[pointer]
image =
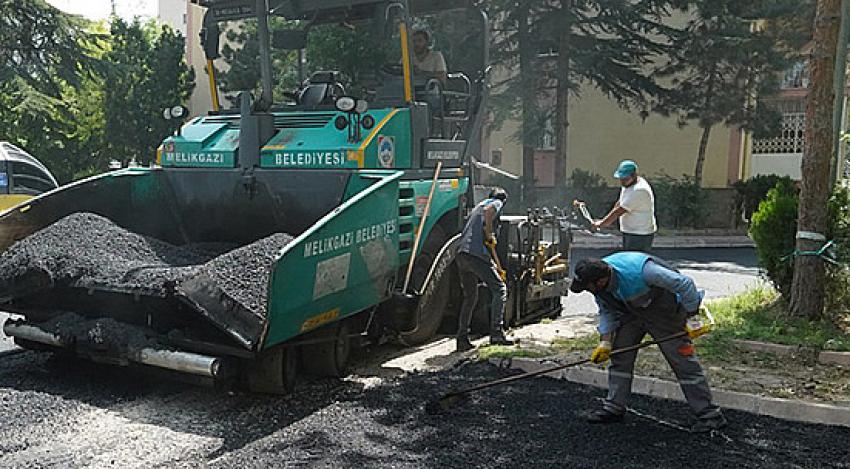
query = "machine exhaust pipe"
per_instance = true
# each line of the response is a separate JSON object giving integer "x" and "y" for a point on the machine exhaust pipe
{"x": 184, "y": 362}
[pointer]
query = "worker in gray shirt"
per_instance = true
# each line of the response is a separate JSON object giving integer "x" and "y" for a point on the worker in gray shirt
{"x": 639, "y": 294}
{"x": 475, "y": 265}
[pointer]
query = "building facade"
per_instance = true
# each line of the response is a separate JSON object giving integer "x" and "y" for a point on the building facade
{"x": 187, "y": 18}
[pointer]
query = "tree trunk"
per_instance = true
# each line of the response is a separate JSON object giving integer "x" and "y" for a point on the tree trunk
{"x": 529, "y": 105}
{"x": 562, "y": 122}
{"x": 703, "y": 147}
{"x": 807, "y": 287}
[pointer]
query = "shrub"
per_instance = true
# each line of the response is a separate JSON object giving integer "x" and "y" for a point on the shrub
{"x": 773, "y": 227}
{"x": 751, "y": 192}
{"x": 838, "y": 276}
{"x": 678, "y": 202}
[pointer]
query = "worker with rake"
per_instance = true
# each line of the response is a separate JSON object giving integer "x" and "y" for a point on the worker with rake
{"x": 638, "y": 294}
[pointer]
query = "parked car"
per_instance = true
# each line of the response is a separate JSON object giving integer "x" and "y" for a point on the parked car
{"x": 22, "y": 177}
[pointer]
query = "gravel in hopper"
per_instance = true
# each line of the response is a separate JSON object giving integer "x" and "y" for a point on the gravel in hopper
{"x": 85, "y": 250}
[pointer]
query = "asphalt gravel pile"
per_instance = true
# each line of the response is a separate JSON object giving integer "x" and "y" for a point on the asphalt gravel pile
{"x": 84, "y": 250}
{"x": 243, "y": 273}
{"x": 101, "y": 333}
{"x": 90, "y": 251}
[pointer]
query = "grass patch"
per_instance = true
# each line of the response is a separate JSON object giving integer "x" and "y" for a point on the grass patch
{"x": 501, "y": 351}
{"x": 564, "y": 345}
{"x": 760, "y": 315}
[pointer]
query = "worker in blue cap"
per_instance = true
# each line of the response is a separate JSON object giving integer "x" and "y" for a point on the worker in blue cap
{"x": 635, "y": 209}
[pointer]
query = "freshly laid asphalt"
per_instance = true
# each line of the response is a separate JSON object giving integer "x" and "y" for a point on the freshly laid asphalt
{"x": 59, "y": 413}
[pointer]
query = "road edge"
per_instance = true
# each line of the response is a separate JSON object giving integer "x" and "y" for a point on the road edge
{"x": 786, "y": 409}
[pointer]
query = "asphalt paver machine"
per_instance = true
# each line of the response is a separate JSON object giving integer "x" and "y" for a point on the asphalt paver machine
{"x": 271, "y": 236}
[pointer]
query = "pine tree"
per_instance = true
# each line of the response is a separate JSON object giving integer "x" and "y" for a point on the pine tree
{"x": 607, "y": 45}
{"x": 722, "y": 65}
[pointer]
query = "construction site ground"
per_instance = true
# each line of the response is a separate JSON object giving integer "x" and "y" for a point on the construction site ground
{"x": 58, "y": 412}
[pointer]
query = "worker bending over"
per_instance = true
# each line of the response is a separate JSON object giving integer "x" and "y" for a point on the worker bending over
{"x": 474, "y": 264}
{"x": 638, "y": 294}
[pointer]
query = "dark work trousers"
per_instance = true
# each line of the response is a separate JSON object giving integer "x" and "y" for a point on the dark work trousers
{"x": 661, "y": 318}
{"x": 472, "y": 270}
{"x": 636, "y": 242}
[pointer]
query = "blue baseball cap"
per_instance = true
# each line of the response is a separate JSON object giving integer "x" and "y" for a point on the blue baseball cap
{"x": 626, "y": 169}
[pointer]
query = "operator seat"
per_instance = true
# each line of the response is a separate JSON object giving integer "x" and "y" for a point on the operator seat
{"x": 321, "y": 88}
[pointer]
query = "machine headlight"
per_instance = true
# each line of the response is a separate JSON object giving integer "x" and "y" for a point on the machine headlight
{"x": 367, "y": 122}
{"x": 176, "y": 112}
{"x": 179, "y": 112}
{"x": 346, "y": 104}
{"x": 340, "y": 122}
{"x": 361, "y": 107}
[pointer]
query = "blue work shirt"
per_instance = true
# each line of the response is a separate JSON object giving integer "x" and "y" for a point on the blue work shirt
{"x": 655, "y": 275}
{"x": 472, "y": 238}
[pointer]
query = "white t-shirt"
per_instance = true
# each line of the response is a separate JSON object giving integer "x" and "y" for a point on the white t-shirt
{"x": 639, "y": 202}
{"x": 433, "y": 62}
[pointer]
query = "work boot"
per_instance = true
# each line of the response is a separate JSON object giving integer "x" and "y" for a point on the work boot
{"x": 498, "y": 338}
{"x": 463, "y": 345}
{"x": 709, "y": 425}
{"x": 603, "y": 416}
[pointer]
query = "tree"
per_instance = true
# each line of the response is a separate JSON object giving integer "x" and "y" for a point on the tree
{"x": 147, "y": 74}
{"x": 46, "y": 56}
{"x": 807, "y": 286}
{"x": 721, "y": 66}
{"x": 608, "y": 45}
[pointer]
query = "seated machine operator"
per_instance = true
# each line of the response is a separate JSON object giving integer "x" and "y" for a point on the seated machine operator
{"x": 426, "y": 62}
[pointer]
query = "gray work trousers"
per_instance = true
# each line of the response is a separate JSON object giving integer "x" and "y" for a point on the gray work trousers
{"x": 636, "y": 242}
{"x": 472, "y": 270}
{"x": 660, "y": 319}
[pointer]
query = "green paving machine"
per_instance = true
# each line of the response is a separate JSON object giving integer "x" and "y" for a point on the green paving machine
{"x": 371, "y": 178}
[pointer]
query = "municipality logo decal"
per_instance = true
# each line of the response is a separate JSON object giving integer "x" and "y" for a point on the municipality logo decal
{"x": 386, "y": 151}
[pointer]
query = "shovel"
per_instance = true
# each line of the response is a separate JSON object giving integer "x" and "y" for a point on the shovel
{"x": 449, "y": 400}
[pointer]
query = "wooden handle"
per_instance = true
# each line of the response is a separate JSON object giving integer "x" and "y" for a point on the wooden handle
{"x": 421, "y": 227}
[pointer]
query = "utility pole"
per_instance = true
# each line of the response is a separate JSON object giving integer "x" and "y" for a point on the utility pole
{"x": 807, "y": 287}
{"x": 837, "y": 166}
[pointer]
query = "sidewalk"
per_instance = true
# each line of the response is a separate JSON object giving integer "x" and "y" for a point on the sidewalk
{"x": 686, "y": 240}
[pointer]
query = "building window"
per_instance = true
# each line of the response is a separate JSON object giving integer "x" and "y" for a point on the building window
{"x": 796, "y": 77}
{"x": 546, "y": 140}
{"x": 791, "y": 138}
{"x": 496, "y": 157}
{"x": 184, "y": 18}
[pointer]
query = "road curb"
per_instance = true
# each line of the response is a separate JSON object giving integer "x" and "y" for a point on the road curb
{"x": 669, "y": 242}
{"x": 776, "y": 349}
{"x": 786, "y": 409}
{"x": 834, "y": 358}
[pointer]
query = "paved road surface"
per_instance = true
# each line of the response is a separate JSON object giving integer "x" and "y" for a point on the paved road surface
{"x": 67, "y": 414}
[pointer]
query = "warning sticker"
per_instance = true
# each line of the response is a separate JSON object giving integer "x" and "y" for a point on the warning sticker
{"x": 331, "y": 275}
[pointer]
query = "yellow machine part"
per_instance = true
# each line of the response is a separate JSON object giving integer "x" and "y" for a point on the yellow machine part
{"x": 8, "y": 201}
